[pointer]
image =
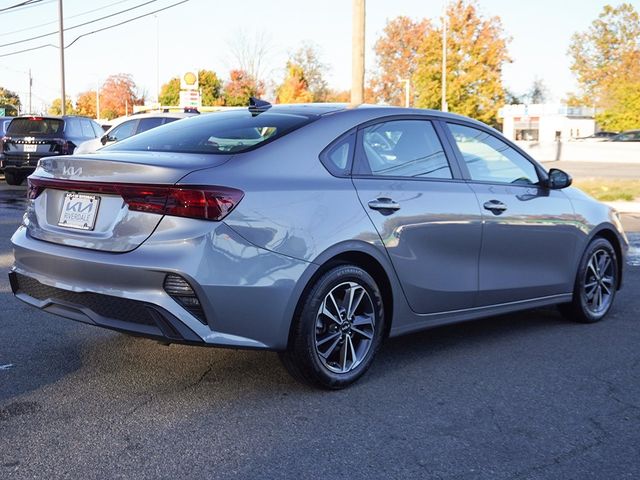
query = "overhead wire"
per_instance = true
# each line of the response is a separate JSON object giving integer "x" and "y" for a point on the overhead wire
{"x": 95, "y": 31}
{"x": 78, "y": 25}
{"x": 33, "y": 27}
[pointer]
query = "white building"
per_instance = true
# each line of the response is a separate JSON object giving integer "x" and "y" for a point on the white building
{"x": 546, "y": 122}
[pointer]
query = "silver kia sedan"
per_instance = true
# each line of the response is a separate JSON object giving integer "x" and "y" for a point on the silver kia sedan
{"x": 312, "y": 230}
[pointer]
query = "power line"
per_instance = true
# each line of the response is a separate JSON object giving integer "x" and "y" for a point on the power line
{"x": 23, "y": 5}
{"x": 79, "y": 25}
{"x": 95, "y": 31}
{"x": 33, "y": 27}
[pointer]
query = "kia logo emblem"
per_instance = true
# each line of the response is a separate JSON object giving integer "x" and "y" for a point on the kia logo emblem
{"x": 72, "y": 170}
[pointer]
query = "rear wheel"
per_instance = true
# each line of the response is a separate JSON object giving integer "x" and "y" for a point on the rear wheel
{"x": 338, "y": 330}
{"x": 13, "y": 178}
{"x": 595, "y": 285}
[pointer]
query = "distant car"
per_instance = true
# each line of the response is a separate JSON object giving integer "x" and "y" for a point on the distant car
{"x": 30, "y": 138}
{"x": 126, "y": 127}
{"x": 628, "y": 136}
{"x": 598, "y": 137}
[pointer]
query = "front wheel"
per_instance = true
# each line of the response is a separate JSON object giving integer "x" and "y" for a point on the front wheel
{"x": 595, "y": 284}
{"x": 338, "y": 329}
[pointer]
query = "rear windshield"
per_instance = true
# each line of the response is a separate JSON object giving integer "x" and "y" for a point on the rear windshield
{"x": 224, "y": 132}
{"x": 35, "y": 126}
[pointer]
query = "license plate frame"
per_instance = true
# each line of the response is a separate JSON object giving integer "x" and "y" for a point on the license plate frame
{"x": 79, "y": 211}
{"x": 30, "y": 148}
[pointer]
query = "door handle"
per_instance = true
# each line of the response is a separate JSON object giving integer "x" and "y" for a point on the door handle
{"x": 496, "y": 206}
{"x": 384, "y": 204}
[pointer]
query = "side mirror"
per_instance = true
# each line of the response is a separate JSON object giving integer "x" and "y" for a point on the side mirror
{"x": 104, "y": 139}
{"x": 558, "y": 179}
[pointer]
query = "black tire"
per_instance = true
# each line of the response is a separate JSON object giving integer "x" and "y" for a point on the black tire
{"x": 316, "y": 329}
{"x": 13, "y": 178}
{"x": 595, "y": 285}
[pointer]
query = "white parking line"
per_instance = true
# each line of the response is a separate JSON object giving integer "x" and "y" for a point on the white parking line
{"x": 7, "y": 366}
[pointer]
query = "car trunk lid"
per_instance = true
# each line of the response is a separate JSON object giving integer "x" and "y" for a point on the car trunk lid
{"x": 109, "y": 202}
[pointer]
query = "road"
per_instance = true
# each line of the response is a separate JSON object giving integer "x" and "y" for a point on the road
{"x": 523, "y": 396}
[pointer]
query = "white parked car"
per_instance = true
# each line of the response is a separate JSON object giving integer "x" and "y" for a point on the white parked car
{"x": 125, "y": 127}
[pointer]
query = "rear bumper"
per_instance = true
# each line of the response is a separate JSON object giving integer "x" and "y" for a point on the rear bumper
{"x": 248, "y": 293}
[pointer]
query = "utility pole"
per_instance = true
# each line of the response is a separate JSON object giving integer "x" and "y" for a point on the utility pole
{"x": 30, "y": 85}
{"x": 64, "y": 94}
{"x": 444, "y": 107}
{"x": 357, "y": 51}
{"x": 157, "y": 60}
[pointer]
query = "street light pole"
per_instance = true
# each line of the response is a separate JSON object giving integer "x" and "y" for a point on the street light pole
{"x": 357, "y": 52}
{"x": 444, "y": 107}
{"x": 407, "y": 89}
{"x": 64, "y": 95}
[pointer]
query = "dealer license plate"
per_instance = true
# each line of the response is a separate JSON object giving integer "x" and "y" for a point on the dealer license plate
{"x": 79, "y": 211}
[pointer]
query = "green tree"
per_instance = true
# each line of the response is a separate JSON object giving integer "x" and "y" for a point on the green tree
{"x": 308, "y": 59}
{"x": 239, "y": 88}
{"x": 294, "y": 88}
{"x": 56, "y": 107}
{"x": 7, "y": 97}
{"x": 606, "y": 62}
{"x": 606, "y": 54}
{"x": 170, "y": 92}
{"x": 476, "y": 53}
{"x": 397, "y": 52}
{"x": 538, "y": 93}
{"x": 210, "y": 88}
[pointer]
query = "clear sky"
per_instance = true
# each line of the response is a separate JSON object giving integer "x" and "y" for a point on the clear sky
{"x": 199, "y": 34}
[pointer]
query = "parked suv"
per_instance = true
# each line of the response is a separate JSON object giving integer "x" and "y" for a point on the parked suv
{"x": 29, "y": 138}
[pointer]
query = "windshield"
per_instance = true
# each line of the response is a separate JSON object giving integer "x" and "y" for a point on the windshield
{"x": 218, "y": 133}
{"x": 35, "y": 126}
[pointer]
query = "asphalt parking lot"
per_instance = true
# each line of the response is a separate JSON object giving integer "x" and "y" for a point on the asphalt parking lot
{"x": 523, "y": 396}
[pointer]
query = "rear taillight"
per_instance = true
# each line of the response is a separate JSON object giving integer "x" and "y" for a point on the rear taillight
{"x": 207, "y": 203}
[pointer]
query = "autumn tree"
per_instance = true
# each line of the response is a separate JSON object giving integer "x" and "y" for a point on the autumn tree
{"x": 308, "y": 59}
{"x": 7, "y": 97}
{"x": 251, "y": 53}
{"x": 86, "y": 104}
{"x": 239, "y": 88}
{"x": 210, "y": 88}
{"x": 606, "y": 63}
{"x": 295, "y": 87}
{"x": 338, "y": 96}
{"x": 397, "y": 52}
{"x": 56, "y": 107}
{"x": 118, "y": 95}
{"x": 170, "y": 92}
{"x": 476, "y": 52}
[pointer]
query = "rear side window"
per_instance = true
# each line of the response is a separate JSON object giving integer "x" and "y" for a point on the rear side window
{"x": 149, "y": 123}
{"x": 337, "y": 156}
{"x": 72, "y": 127}
{"x": 87, "y": 129}
{"x": 217, "y": 133}
{"x": 97, "y": 129}
{"x": 404, "y": 148}
{"x": 35, "y": 126}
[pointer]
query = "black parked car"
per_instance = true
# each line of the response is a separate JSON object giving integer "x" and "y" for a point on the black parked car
{"x": 30, "y": 138}
{"x": 628, "y": 136}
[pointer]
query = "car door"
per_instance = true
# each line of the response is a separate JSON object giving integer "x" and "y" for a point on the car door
{"x": 530, "y": 236}
{"x": 427, "y": 217}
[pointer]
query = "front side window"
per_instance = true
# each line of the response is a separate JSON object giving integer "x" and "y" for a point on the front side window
{"x": 404, "y": 148}
{"x": 122, "y": 131}
{"x": 489, "y": 159}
